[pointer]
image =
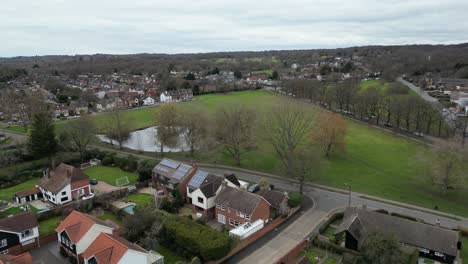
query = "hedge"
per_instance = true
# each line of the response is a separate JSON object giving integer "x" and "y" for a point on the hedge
{"x": 295, "y": 199}
{"x": 330, "y": 220}
{"x": 197, "y": 239}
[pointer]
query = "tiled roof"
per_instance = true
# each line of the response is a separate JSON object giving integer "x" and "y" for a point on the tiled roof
{"x": 27, "y": 192}
{"x": 24, "y": 258}
{"x": 237, "y": 199}
{"x": 109, "y": 249}
{"x": 60, "y": 177}
{"x": 275, "y": 198}
{"x": 77, "y": 224}
{"x": 19, "y": 222}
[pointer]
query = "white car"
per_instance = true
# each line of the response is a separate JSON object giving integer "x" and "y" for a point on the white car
{"x": 88, "y": 196}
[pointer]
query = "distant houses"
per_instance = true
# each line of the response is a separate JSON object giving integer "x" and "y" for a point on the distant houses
{"x": 181, "y": 95}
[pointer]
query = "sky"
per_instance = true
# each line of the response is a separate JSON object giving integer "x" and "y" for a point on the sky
{"x": 68, "y": 27}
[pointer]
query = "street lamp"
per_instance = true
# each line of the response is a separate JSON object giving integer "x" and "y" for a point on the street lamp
{"x": 349, "y": 194}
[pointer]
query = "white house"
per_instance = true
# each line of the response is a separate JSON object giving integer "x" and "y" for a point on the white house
{"x": 148, "y": 101}
{"x": 112, "y": 249}
{"x": 203, "y": 188}
{"x": 63, "y": 184}
{"x": 77, "y": 232}
{"x": 166, "y": 97}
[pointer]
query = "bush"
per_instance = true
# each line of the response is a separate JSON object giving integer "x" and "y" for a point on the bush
{"x": 295, "y": 199}
{"x": 108, "y": 160}
{"x": 194, "y": 238}
{"x": 145, "y": 169}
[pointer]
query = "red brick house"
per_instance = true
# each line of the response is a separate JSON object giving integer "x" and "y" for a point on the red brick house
{"x": 169, "y": 175}
{"x": 235, "y": 207}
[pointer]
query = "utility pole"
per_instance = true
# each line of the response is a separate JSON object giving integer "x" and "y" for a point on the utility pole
{"x": 349, "y": 194}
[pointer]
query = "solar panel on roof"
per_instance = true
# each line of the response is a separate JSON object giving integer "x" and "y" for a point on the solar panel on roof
{"x": 198, "y": 178}
{"x": 181, "y": 171}
{"x": 161, "y": 168}
{"x": 170, "y": 163}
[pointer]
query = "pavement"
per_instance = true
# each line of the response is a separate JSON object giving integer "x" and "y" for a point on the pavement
{"x": 48, "y": 254}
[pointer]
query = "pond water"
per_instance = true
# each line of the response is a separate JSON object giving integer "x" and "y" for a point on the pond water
{"x": 146, "y": 140}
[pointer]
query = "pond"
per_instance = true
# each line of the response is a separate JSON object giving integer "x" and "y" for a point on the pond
{"x": 146, "y": 140}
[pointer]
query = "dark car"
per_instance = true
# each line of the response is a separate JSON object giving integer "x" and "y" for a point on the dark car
{"x": 93, "y": 181}
{"x": 254, "y": 188}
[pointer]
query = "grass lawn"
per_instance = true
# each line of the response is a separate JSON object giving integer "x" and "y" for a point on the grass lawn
{"x": 17, "y": 210}
{"x": 169, "y": 256}
{"x": 141, "y": 199}
{"x": 48, "y": 226}
{"x": 313, "y": 255}
{"x": 269, "y": 72}
{"x": 329, "y": 233}
{"x": 109, "y": 174}
{"x": 7, "y": 193}
{"x": 375, "y": 83}
{"x": 330, "y": 260}
{"x": 464, "y": 250}
{"x": 110, "y": 216}
{"x": 376, "y": 162}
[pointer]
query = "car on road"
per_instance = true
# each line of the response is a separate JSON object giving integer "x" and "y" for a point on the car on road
{"x": 254, "y": 188}
{"x": 88, "y": 196}
{"x": 93, "y": 181}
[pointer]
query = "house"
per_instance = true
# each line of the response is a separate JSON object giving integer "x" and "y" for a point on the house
{"x": 181, "y": 95}
{"x": 169, "y": 175}
{"x": 235, "y": 207}
{"x": 19, "y": 233}
{"x": 64, "y": 183}
{"x": 149, "y": 101}
{"x": 24, "y": 258}
{"x": 433, "y": 242}
{"x": 61, "y": 110}
{"x": 278, "y": 200}
{"x": 203, "y": 188}
{"x": 28, "y": 195}
{"x": 78, "y": 231}
{"x": 112, "y": 249}
{"x": 78, "y": 107}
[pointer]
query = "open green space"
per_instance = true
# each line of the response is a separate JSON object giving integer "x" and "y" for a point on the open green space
{"x": 269, "y": 72}
{"x": 16, "y": 210}
{"x": 141, "y": 199}
{"x": 376, "y": 162}
{"x": 7, "y": 193}
{"x": 110, "y": 174}
{"x": 313, "y": 255}
{"x": 383, "y": 86}
{"x": 169, "y": 256}
{"x": 48, "y": 226}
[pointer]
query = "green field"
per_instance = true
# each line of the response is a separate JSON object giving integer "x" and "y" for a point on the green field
{"x": 376, "y": 162}
{"x": 269, "y": 72}
{"x": 48, "y": 226}
{"x": 141, "y": 199}
{"x": 110, "y": 216}
{"x": 375, "y": 83}
{"x": 110, "y": 174}
{"x": 7, "y": 193}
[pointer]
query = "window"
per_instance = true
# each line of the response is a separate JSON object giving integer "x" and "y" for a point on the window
{"x": 247, "y": 216}
{"x": 229, "y": 209}
{"x": 4, "y": 252}
{"x": 191, "y": 190}
{"x": 200, "y": 200}
{"x": 63, "y": 199}
{"x": 221, "y": 219}
{"x": 218, "y": 206}
{"x": 236, "y": 223}
{"x": 231, "y": 222}
{"x": 26, "y": 233}
{"x": 80, "y": 192}
{"x": 64, "y": 193}
{"x": 3, "y": 243}
{"x": 223, "y": 207}
{"x": 242, "y": 215}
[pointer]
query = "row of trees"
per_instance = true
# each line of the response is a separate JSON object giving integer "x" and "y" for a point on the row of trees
{"x": 392, "y": 105}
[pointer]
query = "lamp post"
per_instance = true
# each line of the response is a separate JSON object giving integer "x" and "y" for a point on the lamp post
{"x": 349, "y": 194}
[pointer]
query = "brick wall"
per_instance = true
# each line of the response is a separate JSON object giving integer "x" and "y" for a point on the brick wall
{"x": 262, "y": 211}
{"x": 292, "y": 256}
{"x": 45, "y": 239}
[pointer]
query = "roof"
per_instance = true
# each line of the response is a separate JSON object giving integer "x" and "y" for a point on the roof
{"x": 237, "y": 199}
{"x": 61, "y": 176}
{"x": 24, "y": 258}
{"x": 197, "y": 179}
{"x": 210, "y": 185}
{"x": 109, "y": 249}
{"x": 360, "y": 222}
{"x": 172, "y": 169}
{"x": 77, "y": 224}
{"x": 28, "y": 192}
{"x": 19, "y": 222}
{"x": 273, "y": 197}
{"x": 232, "y": 178}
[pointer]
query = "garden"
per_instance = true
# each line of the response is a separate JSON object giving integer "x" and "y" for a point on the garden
{"x": 110, "y": 175}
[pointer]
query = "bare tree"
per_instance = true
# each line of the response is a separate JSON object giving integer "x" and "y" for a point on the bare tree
{"x": 235, "y": 127}
{"x": 195, "y": 122}
{"x": 288, "y": 126}
{"x": 81, "y": 133}
{"x": 118, "y": 127}
{"x": 167, "y": 119}
{"x": 446, "y": 164}
{"x": 330, "y": 133}
{"x": 307, "y": 164}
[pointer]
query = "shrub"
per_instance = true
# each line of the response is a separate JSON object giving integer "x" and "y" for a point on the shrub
{"x": 295, "y": 199}
{"x": 108, "y": 160}
{"x": 145, "y": 169}
{"x": 194, "y": 238}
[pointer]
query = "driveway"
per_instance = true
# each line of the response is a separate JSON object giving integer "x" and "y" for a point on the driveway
{"x": 48, "y": 254}
{"x": 103, "y": 187}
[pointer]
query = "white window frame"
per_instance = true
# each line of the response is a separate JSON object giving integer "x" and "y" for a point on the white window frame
{"x": 23, "y": 233}
{"x": 221, "y": 219}
{"x": 4, "y": 252}
{"x": 3, "y": 242}
{"x": 247, "y": 216}
{"x": 231, "y": 222}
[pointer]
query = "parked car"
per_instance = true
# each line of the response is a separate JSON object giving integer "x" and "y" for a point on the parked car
{"x": 254, "y": 188}
{"x": 93, "y": 181}
{"x": 88, "y": 196}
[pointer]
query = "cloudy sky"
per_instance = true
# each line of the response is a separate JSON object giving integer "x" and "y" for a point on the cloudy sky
{"x": 40, "y": 27}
